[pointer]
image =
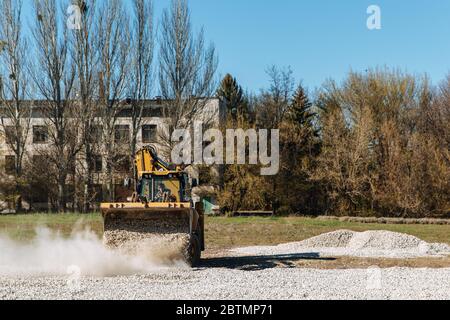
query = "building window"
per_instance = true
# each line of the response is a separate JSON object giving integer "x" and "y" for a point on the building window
{"x": 10, "y": 165}
{"x": 122, "y": 134}
{"x": 10, "y": 134}
{"x": 40, "y": 134}
{"x": 149, "y": 133}
{"x": 39, "y": 194}
{"x": 39, "y": 191}
{"x": 96, "y": 163}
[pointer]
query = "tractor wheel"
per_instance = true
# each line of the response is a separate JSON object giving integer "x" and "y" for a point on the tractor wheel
{"x": 194, "y": 251}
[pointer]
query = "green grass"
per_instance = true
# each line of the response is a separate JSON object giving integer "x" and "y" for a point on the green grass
{"x": 237, "y": 231}
{"x": 23, "y": 227}
{"x": 222, "y": 232}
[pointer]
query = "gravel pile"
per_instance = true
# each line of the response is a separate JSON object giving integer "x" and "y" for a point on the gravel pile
{"x": 336, "y": 239}
{"x": 162, "y": 248}
{"x": 161, "y": 240}
{"x": 360, "y": 244}
{"x": 226, "y": 284}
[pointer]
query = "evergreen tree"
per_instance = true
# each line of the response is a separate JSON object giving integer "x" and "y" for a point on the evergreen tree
{"x": 299, "y": 112}
{"x": 298, "y": 143}
{"x": 232, "y": 94}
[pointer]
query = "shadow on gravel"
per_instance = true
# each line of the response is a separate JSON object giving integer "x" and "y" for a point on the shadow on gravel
{"x": 255, "y": 263}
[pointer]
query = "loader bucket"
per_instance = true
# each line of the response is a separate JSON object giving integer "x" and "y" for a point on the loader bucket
{"x": 163, "y": 234}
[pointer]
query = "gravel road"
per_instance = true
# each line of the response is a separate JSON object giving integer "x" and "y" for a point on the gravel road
{"x": 82, "y": 268}
{"x": 221, "y": 283}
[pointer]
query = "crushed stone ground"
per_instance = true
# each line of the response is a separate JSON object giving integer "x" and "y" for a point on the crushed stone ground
{"x": 375, "y": 244}
{"x": 227, "y": 284}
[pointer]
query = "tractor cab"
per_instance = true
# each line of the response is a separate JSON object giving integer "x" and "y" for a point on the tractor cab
{"x": 162, "y": 188}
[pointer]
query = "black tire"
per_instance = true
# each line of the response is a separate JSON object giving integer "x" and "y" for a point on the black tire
{"x": 193, "y": 254}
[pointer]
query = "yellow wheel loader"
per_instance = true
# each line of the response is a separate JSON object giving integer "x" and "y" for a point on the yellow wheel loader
{"x": 160, "y": 216}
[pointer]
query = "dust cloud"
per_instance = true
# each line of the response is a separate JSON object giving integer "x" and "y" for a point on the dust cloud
{"x": 49, "y": 253}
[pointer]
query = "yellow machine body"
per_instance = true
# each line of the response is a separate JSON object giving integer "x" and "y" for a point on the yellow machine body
{"x": 160, "y": 204}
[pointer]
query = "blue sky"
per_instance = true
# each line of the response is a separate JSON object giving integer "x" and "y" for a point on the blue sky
{"x": 323, "y": 39}
{"x": 320, "y": 39}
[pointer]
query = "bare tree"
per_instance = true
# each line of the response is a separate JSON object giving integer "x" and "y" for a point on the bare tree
{"x": 113, "y": 45}
{"x": 271, "y": 108}
{"x": 186, "y": 70}
{"x": 13, "y": 91}
{"x": 141, "y": 77}
{"x": 345, "y": 162}
{"x": 85, "y": 58}
{"x": 384, "y": 145}
{"x": 54, "y": 76}
{"x": 438, "y": 118}
{"x": 273, "y": 103}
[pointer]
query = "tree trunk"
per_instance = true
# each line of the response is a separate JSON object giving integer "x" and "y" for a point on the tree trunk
{"x": 87, "y": 179}
{"x": 61, "y": 193}
{"x": 18, "y": 186}
{"x": 110, "y": 182}
{"x": 132, "y": 155}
